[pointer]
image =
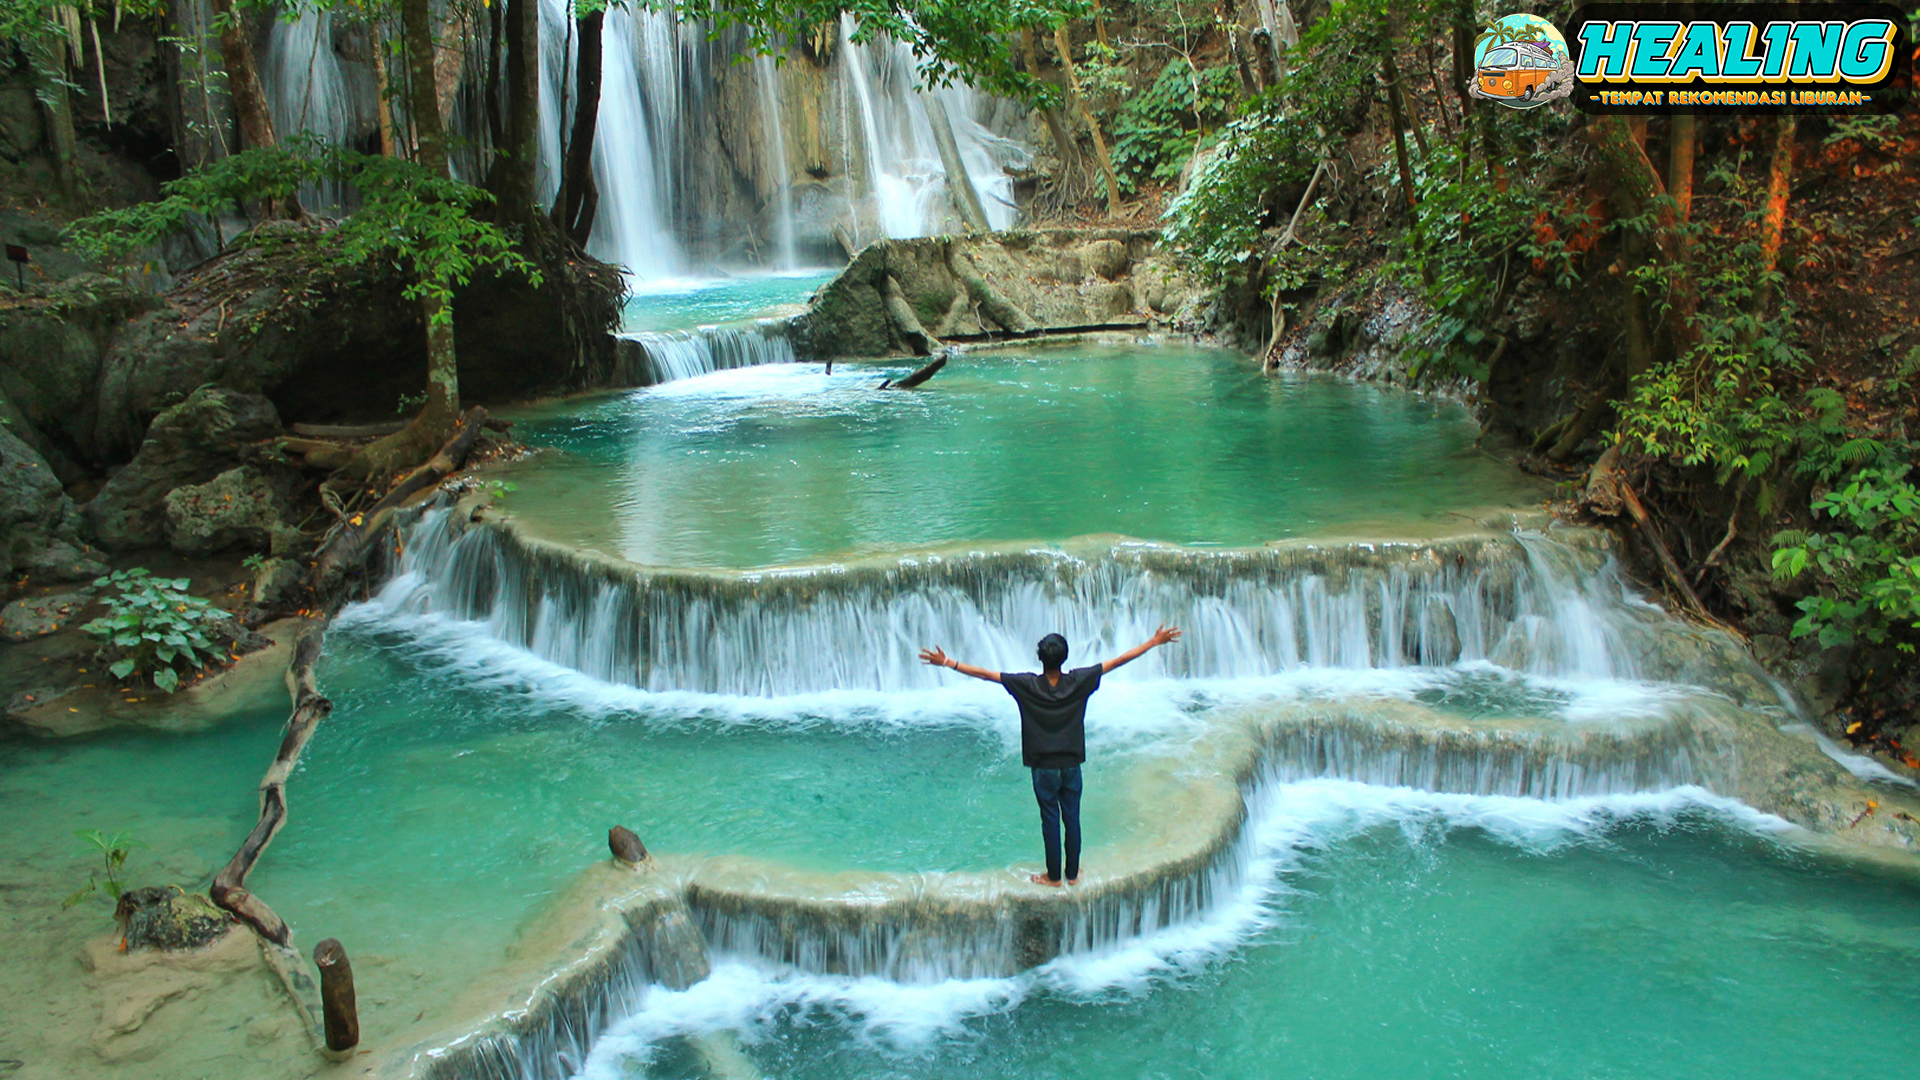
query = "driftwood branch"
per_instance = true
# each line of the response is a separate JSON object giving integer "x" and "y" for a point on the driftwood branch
{"x": 1668, "y": 567}
{"x": 918, "y": 377}
{"x": 1001, "y": 310}
{"x": 309, "y": 709}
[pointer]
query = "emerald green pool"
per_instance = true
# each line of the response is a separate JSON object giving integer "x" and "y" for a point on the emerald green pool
{"x": 686, "y": 305}
{"x": 1180, "y": 444}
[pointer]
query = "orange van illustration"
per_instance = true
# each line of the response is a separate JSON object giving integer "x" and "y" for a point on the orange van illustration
{"x": 1516, "y": 69}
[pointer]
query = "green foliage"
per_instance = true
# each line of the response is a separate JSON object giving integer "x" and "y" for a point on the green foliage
{"x": 113, "y": 849}
{"x": 1271, "y": 149}
{"x": 154, "y": 628}
{"x": 951, "y": 39}
{"x": 1153, "y": 133}
{"x": 419, "y": 222}
{"x": 1474, "y": 238}
{"x": 1870, "y": 567}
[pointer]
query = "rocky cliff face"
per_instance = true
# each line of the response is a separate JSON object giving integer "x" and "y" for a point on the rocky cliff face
{"x": 1013, "y": 282}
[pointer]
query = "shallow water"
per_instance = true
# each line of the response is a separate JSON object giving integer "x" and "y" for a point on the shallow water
{"x": 684, "y": 305}
{"x": 1180, "y": 444}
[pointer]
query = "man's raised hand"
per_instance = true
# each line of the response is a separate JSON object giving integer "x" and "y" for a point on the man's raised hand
{"x": 935, "y": 657}
{"x": 1164, "y": 635}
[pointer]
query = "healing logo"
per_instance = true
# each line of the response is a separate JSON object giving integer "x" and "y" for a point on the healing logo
{"x": 1521, "y": 61}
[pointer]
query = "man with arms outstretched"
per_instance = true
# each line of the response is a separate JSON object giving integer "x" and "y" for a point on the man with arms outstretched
{"x": 1053, "y": 734}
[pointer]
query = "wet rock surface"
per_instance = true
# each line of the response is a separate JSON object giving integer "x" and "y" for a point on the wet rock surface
{"x": 195, "y": 440}
{"x": 1003, "y": 283}
{"x": 37, "y": 616}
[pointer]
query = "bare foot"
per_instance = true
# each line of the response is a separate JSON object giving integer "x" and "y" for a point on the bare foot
{"x": 1042, "y": 879}
{"x": 1073, "y": 881}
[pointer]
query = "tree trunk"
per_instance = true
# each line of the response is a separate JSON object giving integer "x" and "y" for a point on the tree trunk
{"x": 423, "y": 99}
{"x": 514, "y": 180}
{"x": 47, "y": 56}
{"x": 1065, "y": 45}
{"x": 1064, "y": 143}
{"x": 1773, "y": 217}
{"x": 966, "y": 199}
{"x": 243, "y": 77}
{"x": 496, "y": 40}
{"x": 435, "y": 421}
{"x": 1680, "y": 165}
{"x": 1396, "y": 107}
{"x": 572, "y": 207}
{"x": 383, "y": 90}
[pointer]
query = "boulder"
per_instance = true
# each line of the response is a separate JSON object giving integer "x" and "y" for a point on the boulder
{"x": 188, "y": 444}
{"x": 168, "y": 918}
{"x": 240, "y": 509}
{"x": 37, "y": 616}
{"x": 1108, "y": 258}
{"x": 35, "y": 512}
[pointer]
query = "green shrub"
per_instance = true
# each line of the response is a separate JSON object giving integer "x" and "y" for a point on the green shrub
{"x": 153, "y": 628}
{"x": 113, "y": 849}
{"x": 1871, "y": 567}
{"x": 1155, "y": 132}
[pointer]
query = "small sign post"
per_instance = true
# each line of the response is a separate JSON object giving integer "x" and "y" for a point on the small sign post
{"x": 17, "y": 255}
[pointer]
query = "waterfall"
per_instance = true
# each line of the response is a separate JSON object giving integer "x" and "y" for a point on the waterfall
{"x": 658, "y": 162}
{"x": 1528, "y": 605}
{"x": 906, "y": 182}
{"x": 769, "y": 74}
{"x": 651, "y": 357}
{"x": 308, "y": 89}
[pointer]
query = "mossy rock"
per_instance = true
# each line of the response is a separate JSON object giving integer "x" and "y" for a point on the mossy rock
{"x": 168, "y": 917}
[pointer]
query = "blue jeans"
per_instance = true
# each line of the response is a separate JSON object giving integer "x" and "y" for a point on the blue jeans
{"x": 1058, "y": 791}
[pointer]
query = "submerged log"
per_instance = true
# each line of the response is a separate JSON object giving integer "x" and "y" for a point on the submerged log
{"x": 918, "y": 377}
{"x": 336, "y": 996}
{"x": 626, "y": 845}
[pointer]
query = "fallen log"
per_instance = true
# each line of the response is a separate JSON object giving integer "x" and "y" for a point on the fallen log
{"x": 309, "y": 709}
{"x": 348, "y": 431}
{"x": 918, "y": 377}
{"x": 1668, "y": 568}
{"x": 346, "y": 550}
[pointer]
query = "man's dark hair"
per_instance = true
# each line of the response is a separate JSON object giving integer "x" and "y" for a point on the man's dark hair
{"x": 1052, "y": 651}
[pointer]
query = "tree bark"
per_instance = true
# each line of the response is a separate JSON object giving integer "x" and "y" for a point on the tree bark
{"x": 1680, "y": 136}
{"x": 1065, "y": 45}
{"x": 423, "y": 98}
{"x": 959, "y": 182}
{"x": 1773, "y": 216}
{"x": 514, "y": 179}
{"x": 573, "y": 207}
{"x": 1397, "y": 108}
{"x": 243, "y": 77}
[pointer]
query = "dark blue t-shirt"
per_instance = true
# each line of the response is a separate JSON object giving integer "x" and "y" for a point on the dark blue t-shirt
{"x": 1053, "y": 718}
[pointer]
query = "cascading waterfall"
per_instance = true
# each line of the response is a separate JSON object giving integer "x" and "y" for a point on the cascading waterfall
{"x": 1529, "y": 605}
{"x": 656, "y": 97}
{"x": 906, "y": 181}
{"x": 651, "y": 357}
